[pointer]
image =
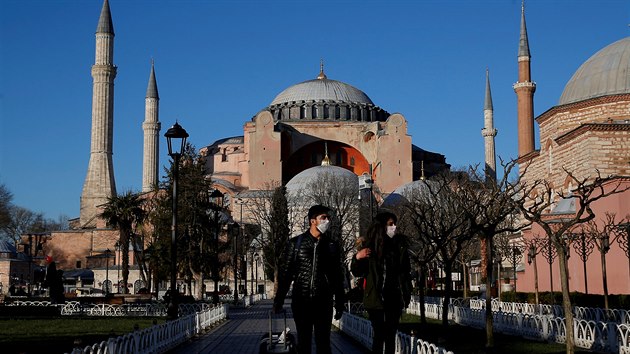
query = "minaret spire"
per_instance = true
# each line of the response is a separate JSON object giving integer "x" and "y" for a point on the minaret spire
{"x": 488, "y": 132}
{"x": 99, "y": 182}
{"x": 524, "y": 89}
{"x": 151, "y": 127}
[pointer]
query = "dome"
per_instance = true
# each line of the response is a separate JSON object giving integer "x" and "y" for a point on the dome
{"x": 605, "y": 73}
{"x": 322, "y": 89}
{"x": 407, "y": 191}
{"x": 302, "y": 180}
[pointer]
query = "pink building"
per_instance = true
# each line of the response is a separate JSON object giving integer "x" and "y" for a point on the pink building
{"x": 588, "y": 131}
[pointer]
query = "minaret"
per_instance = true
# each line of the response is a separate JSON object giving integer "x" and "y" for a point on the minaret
{"x": 524, "y": 89}
{"x": 99, "y": 182}
{"x": 488, "y": 132}
{"x": 151, "y": 127}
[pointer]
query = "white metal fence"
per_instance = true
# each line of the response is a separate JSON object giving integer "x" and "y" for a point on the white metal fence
{"x": 360, "y": 329}
{"x": 526, "y": 320}
{"x": 159, "y": 338}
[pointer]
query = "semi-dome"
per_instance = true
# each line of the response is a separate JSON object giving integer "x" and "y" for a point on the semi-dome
{"x": 335, "y": 174}
{"x": 605, "y": 73}
{"x": 408, "y": 192}
{"x": 322, "y": 89}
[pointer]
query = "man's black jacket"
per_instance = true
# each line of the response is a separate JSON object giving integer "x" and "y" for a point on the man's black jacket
{"x": 315, "y": 269}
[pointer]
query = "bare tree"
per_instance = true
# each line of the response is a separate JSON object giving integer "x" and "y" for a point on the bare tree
{"x": 490, "y": 207}
{"x": 442, "y": 230}
{"x": 271, "y": 210}
{"x": 536, "y": 202}
{"x": 341, "y": 194}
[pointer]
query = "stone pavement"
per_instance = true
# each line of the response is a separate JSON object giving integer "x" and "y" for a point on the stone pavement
{"x": 242, "y": 333}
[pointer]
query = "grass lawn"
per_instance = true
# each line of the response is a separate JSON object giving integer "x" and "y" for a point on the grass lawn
{"x": 467, "y": 340}
{"x": 57, "y": 335}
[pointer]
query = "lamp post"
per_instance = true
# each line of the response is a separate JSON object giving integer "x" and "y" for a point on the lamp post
{"x": 108, "y": 252}
{"x": 176, "y": 132}
{"x": 236, "y": 232}
{"x": 256, "y": 259}
{"x": 217, "y": 197}
{"x": 118, "y": 248}
{"x": 515, "y": 258}
{"x": 531, "y": 257}
{"x": 240, "y": 202}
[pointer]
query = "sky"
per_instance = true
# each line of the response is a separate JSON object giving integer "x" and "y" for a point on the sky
{"x": 218, "y": 63}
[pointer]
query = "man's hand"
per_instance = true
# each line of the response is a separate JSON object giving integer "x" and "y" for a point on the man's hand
{"x": 338, "y": 313}
{"x": 364, "y": 253}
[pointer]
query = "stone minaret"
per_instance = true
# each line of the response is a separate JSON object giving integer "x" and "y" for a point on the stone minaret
{"x": 488, "y": 132}
{"x": 99, "y": 182}
{"x": 524, "y": 89}
{"x": 151, "y": 128}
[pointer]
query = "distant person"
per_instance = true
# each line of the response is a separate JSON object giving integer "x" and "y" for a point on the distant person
{"x": 53, "y": 281}
{"x": 384, "y": 264}
{"x": 312, "y": 262}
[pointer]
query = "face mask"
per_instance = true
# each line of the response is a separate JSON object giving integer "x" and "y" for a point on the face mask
{"x": 323, "y": 225}
{"x": 391, "y": 231}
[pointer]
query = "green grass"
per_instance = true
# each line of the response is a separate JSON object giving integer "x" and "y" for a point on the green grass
{"x": 467, "y": 340}
{"x": 58, "y": 335}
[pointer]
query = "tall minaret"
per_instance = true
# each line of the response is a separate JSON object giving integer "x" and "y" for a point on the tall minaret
{"x": 488, "y": 132}
{"x": 99, "y": 182}
{"x": 524, "y": 89}
{"x": 151, "y": 128}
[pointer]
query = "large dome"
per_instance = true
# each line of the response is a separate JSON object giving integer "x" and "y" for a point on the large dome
{"x": 322, "y": 89}
{"x": 605, "y": 73}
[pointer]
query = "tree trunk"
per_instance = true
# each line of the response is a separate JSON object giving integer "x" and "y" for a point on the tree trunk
{"x": 422, "y": 288}
{"x": 489, "y": 319}
{"x": 465, "y": 279}
{"x": 124, "y": 241}
{"x": 566, "y": 300}
{"x": 605, "y": 280}
{"x": 448, "y": 289}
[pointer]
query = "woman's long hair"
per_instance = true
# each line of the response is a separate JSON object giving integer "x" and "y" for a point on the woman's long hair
{"x": 378, "y": 231}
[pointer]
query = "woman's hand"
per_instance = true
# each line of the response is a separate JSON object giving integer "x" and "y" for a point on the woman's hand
{"x": 364, "y": 253}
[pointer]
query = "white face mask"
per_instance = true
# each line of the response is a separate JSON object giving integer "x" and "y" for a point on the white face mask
{"x": 323, "y": 225}
{"x": 391, "y": 231}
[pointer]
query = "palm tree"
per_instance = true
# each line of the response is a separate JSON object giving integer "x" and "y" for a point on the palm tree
{"x": 123, "y": 212}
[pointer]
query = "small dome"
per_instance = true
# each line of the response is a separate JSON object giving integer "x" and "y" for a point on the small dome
{"x": 322, "y": 89}
{"x": 605, "y": 73}
{"x": 407, "y": 191}
{"x": 302, "y": 180}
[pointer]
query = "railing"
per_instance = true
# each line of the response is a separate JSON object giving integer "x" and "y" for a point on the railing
{"x": 603, "y": 336}
{"x": 159, "y": 338}
{"x": 75, "y": 308}
{"x": 360, "y": 329}
{"x": 618, "y": 316}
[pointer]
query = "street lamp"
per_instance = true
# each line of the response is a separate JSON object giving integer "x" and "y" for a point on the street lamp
{"x": 108, "y": 252}
{"x": 217, "y": 198}
{"x": 176, "y": 132}
{"x": 240, "y": 202}
{"x": 257, "y": 259}
{"x": 118, "y": 248}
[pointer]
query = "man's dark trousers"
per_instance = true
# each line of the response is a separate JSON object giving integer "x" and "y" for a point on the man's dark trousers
{"x": 313, "y": 314}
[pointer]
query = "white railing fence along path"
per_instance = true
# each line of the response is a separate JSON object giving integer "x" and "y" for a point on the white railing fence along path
{"x": 525, "y": 321}
{"x": 360, "y": 329}
{"x": 159, "y": 338}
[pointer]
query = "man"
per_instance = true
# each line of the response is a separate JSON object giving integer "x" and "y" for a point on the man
{"x": 312, "y": 261}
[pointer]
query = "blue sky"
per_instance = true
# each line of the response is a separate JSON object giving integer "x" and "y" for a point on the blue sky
{"x": 220, "y": 62}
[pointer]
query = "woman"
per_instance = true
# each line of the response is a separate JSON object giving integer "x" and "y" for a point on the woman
{"x": 384, "y": 263}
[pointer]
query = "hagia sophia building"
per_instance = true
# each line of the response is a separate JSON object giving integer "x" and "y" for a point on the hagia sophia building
{"x": 589, "y": 129}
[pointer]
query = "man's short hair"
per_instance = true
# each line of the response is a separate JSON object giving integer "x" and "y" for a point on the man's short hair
{"x": 317, "y": 210}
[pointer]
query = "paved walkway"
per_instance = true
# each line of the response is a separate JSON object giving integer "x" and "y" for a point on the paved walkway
{"x": 242, "y": 333}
